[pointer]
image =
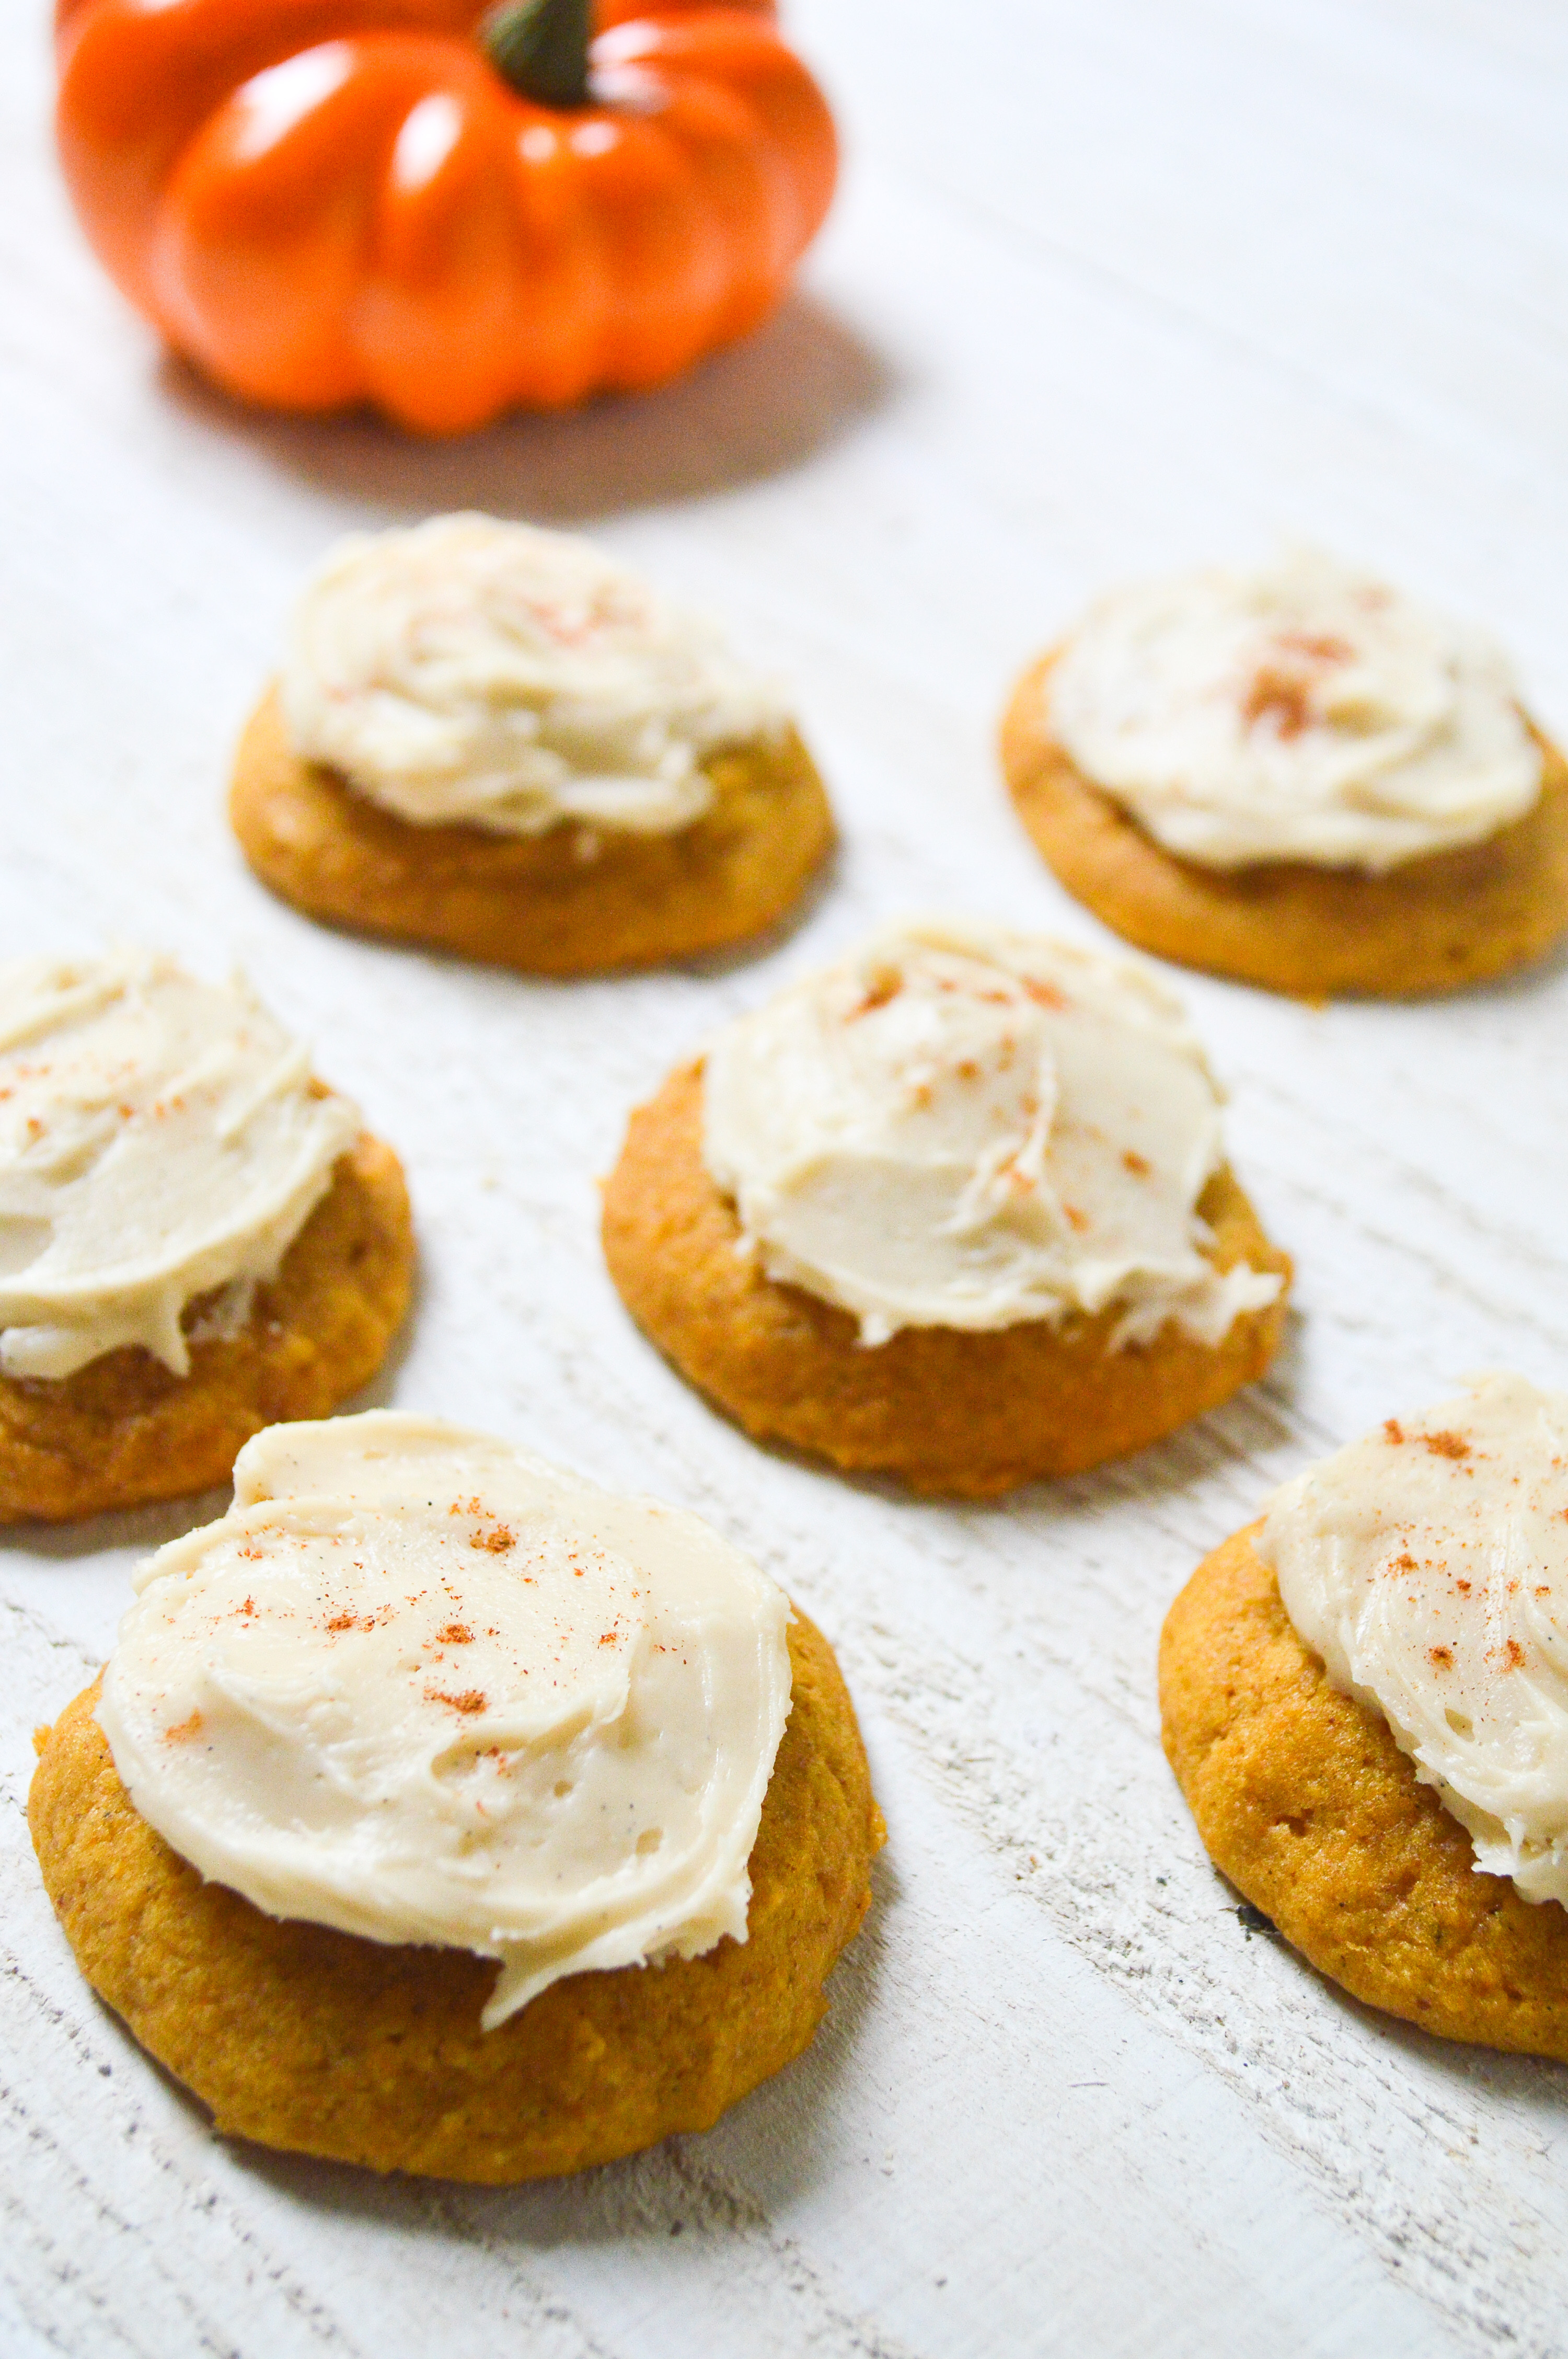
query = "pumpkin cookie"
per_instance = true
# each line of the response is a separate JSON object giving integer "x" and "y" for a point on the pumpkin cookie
{"x": 1297, "y": 779}
{"x": 492, "y": 740}
{"x": 196, "y": 1238}
{"x": 956, "y": 1210}
{"x": 654, "y": 1802}
{"x": 1370, "y": 1721}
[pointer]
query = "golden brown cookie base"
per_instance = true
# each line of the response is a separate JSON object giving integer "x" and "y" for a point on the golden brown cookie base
{"x": 967, "y": 1415}
{"x": 319, "y": 2043}
{"x": 536, "y": 903}
{"x": 123, "y": 1430}
{"x": 1433, "y": 925}
{"x": 1305, "y": 1802}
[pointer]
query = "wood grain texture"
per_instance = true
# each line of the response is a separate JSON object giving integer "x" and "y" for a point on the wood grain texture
{"x": 1108, "y": 288}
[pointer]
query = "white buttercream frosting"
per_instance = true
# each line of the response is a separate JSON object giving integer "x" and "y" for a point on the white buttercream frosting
{"x": 1428, "y": 1567}
{"x": 160, "y": 1139}
{"x": 1303, "y": 710}
{"x": 962, "y": 1126}
{"x": 424, "y": 1687}
{"x": 511, "y": 678}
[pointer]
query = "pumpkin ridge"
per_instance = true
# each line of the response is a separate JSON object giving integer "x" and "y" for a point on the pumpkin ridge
{"x": 502, "y": 251}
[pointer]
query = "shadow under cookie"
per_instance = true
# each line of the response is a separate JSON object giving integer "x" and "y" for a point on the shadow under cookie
{"x": 967, "y": 1415}
{"x": 1431, "y": 925}
{"x": 576, "y": 900}
{"x": 124, "y": 1429}
{"x": 320, "y": 2042}
{"x": 1306, "y": 1803}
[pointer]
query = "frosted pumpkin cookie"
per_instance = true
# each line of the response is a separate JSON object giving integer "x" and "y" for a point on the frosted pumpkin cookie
{"x": 441, "y": 1812}
{"x": 956, "y": 1210}
{"x": 1297, "y": 777}
{"x": 1365, "y": 1698}
{"x": 497, "y": 741}
{"x": 197, "y": 1239}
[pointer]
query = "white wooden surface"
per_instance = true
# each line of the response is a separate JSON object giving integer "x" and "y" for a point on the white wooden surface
{"x": 1112, "y": 284}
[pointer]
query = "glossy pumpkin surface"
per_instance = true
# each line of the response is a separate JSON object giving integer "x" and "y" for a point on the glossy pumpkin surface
{"x": 325, "y": 201}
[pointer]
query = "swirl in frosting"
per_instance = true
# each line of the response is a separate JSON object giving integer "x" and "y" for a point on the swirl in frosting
{"x": 506, "y": 677}
{"x": 1300, "y": 712}
{"x": 420, "y": 1686}
{"x": 1428, "y": 1567}
{"x": 160, "y": 1140}
{"x": 961, "y": 1127}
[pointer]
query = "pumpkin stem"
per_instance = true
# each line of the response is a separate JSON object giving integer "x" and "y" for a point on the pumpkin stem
{"x": 540, "y": 46}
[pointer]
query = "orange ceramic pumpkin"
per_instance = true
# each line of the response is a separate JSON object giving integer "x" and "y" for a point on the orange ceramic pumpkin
{"x": 323, "y": 201}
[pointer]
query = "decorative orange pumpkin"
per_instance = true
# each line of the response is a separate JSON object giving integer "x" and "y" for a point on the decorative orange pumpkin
{"x": 323, "y": 201}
